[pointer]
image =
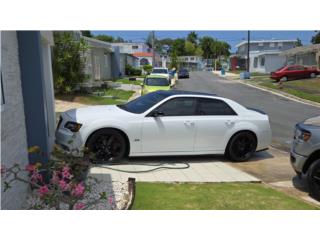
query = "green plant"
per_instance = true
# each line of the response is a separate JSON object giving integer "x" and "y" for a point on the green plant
{"x": 68, "y": 62}
{"x": 131, "y": 71}
{"x": 147, "y": 68}
{"x": 55, "y": 184}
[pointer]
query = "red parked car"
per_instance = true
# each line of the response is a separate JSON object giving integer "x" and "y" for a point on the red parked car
{"x": 294, "y": 72}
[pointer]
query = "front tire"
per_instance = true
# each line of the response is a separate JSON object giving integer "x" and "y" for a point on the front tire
{"x": 313, "y": 179}
{"x": 106, "y": 145}
{"x": 241, "y": 146}
{"x": 284, "y": 79}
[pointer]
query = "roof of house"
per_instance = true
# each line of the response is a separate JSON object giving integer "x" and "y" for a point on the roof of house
{"x": 301, "y": 50}
{"x": 264, "y": 41}
{"x": 142, "y": 54}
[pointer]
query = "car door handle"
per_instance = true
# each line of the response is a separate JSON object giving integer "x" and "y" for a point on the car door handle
{"x": 189, "y": 123}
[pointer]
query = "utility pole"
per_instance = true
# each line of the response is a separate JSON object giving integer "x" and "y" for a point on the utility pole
{"x": 153, "y": 53}
{"x": 248, "y": 53}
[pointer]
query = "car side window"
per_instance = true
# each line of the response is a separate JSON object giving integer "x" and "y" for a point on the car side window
{"x": 180, "y": 106}
{"x": 215, "y": 107}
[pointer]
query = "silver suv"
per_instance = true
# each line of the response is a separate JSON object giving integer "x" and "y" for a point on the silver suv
{"x": 305, "y": 153}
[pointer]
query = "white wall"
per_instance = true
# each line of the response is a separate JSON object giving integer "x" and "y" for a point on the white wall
{"x": 13, "y": 129}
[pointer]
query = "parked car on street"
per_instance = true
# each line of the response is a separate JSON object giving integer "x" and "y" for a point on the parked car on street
{"x": 183, "y": 73}
{"x": 161, "y": 71}
{"x": 305, "y": 153}
{"x": 154, "y": 83}
{"x": 165, "y": 123}
{"x": 294, "y": 72}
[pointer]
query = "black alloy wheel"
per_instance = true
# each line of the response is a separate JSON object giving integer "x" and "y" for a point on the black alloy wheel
{"x": 106, "y": 145}
{"x": 313, "y": 178}
{"x": 242, "y": 146}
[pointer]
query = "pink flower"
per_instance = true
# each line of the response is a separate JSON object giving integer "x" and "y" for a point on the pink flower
{"x": 43, "y": 190}
{"x": 30, "y": 167}
{"x": 79, "y": 206}
{"x": 110, "y": 200}
{"x": 3, "y": 169}
{"x": 66, "y": 173}
{"x": 36, "y": 177}
{"x": 63, "y": 185}
{"x": 55, "y": 177}
{"x": 78, "y": 190}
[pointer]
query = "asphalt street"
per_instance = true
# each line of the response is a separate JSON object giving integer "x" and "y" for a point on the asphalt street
{"x": 283, "y": 113}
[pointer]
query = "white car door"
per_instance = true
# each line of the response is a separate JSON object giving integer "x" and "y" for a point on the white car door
{"x": 173, "y": 130}
{"x": 215, "y": 121}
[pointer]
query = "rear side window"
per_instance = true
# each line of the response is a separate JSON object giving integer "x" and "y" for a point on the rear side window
{"x": 180, "y": 106}
{"x": 215, "y": 107}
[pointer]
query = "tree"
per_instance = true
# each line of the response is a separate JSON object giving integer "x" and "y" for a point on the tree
{"x": 193, "y": 38}
{"x": 316, "y": 38}
{"x": 299, "y": 43}
{"x": 105, "y": 38}
{"x": 147, "y": 68}
{"x": 178, "y": 47}
{"x": 119, "y": 40}
{"x": 86, "y": 33}
{"x": 207, "y": 47}
{"x": 189, "y": 48}
{"x": 198, "y": 52}
{"x": 174, "y": 60}
{"x": 68, "y": 62}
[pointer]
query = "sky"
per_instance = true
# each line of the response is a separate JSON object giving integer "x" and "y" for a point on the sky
{"x": 232, "y": 37}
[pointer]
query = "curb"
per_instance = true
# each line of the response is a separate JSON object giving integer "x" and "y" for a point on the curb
{"x": 275, "y": 92}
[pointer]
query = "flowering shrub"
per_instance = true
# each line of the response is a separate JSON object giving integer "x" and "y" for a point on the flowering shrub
{"x": 60, "y": 182}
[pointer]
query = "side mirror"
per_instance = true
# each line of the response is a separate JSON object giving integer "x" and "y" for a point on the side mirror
{"x": 156, "y": 113}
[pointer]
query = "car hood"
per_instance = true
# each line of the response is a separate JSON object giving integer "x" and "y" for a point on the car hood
{"x": 84, "y": 114}
{"x": 162, "y": 74}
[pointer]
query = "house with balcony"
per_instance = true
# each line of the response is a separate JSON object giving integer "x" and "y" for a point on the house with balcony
{"x": 192, "y": 63}
{"x": 131, "y": 47}
{"x": 264, "y": 55}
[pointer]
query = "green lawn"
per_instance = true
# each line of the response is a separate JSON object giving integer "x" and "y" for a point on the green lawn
{"x": 219, "y": 196}
{"x": 127, "y": 81}
{"x": 120, "y": 96}
{"x": 305, "y": 88}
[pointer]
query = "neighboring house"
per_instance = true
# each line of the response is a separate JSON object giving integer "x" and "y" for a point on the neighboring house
{"x": 305, "y": 55}
{"x": 27, "y": 104}
{"x": 98, "y": 65}
{"x": 131, "y": 48}
{"x": 264, "y": 55}
{"x": 144, "y": 58}
{"x": 192, "y": 63}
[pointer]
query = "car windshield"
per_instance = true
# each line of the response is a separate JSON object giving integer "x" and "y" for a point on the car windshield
{"x": 159, "y": 70}
{"x": 157, "y": 82}
{"x": 143, "y": 103}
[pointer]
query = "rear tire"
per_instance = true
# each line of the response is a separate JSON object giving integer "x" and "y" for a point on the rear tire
{"x": 313, "y": 178}
{"x": 106, "y": 145}
{"x": 241, "y": 146}
{"x": 313, "y": 75}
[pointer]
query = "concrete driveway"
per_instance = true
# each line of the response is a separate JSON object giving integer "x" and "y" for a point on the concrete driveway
{"x": 205, "y": 169}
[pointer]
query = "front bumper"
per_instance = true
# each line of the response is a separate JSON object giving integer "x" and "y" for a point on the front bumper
{"x": 297, "y": 161}
{"x": 70, "y": 142}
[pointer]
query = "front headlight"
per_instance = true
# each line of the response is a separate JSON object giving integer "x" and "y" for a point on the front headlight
{"x": 73, "y": 126}
{"x": 302, "y": 134}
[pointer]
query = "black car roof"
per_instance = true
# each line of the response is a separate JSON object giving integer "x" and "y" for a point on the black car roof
{"x": 181, "y": 92}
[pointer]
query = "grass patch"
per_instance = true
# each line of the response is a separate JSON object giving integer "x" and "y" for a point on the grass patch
{"x": 127, "y": 81}
{"x": 308, "y": 89}
{"x": 219, "y": 196}
{"x": 120, "y": 96}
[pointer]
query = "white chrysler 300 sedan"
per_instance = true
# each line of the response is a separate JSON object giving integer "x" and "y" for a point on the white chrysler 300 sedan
{"x": 165, "y": 123}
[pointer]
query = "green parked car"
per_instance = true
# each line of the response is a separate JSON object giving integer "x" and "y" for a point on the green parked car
{"x": 154, "y": 83}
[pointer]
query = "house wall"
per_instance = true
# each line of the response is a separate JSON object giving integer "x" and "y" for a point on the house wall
{"x": 131, "y": 48}
{"x": 13, "y": 127}
{"x": 97, "y": 66}
{"x": 306, "y": 59}
{"x": 274, "y": 62}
